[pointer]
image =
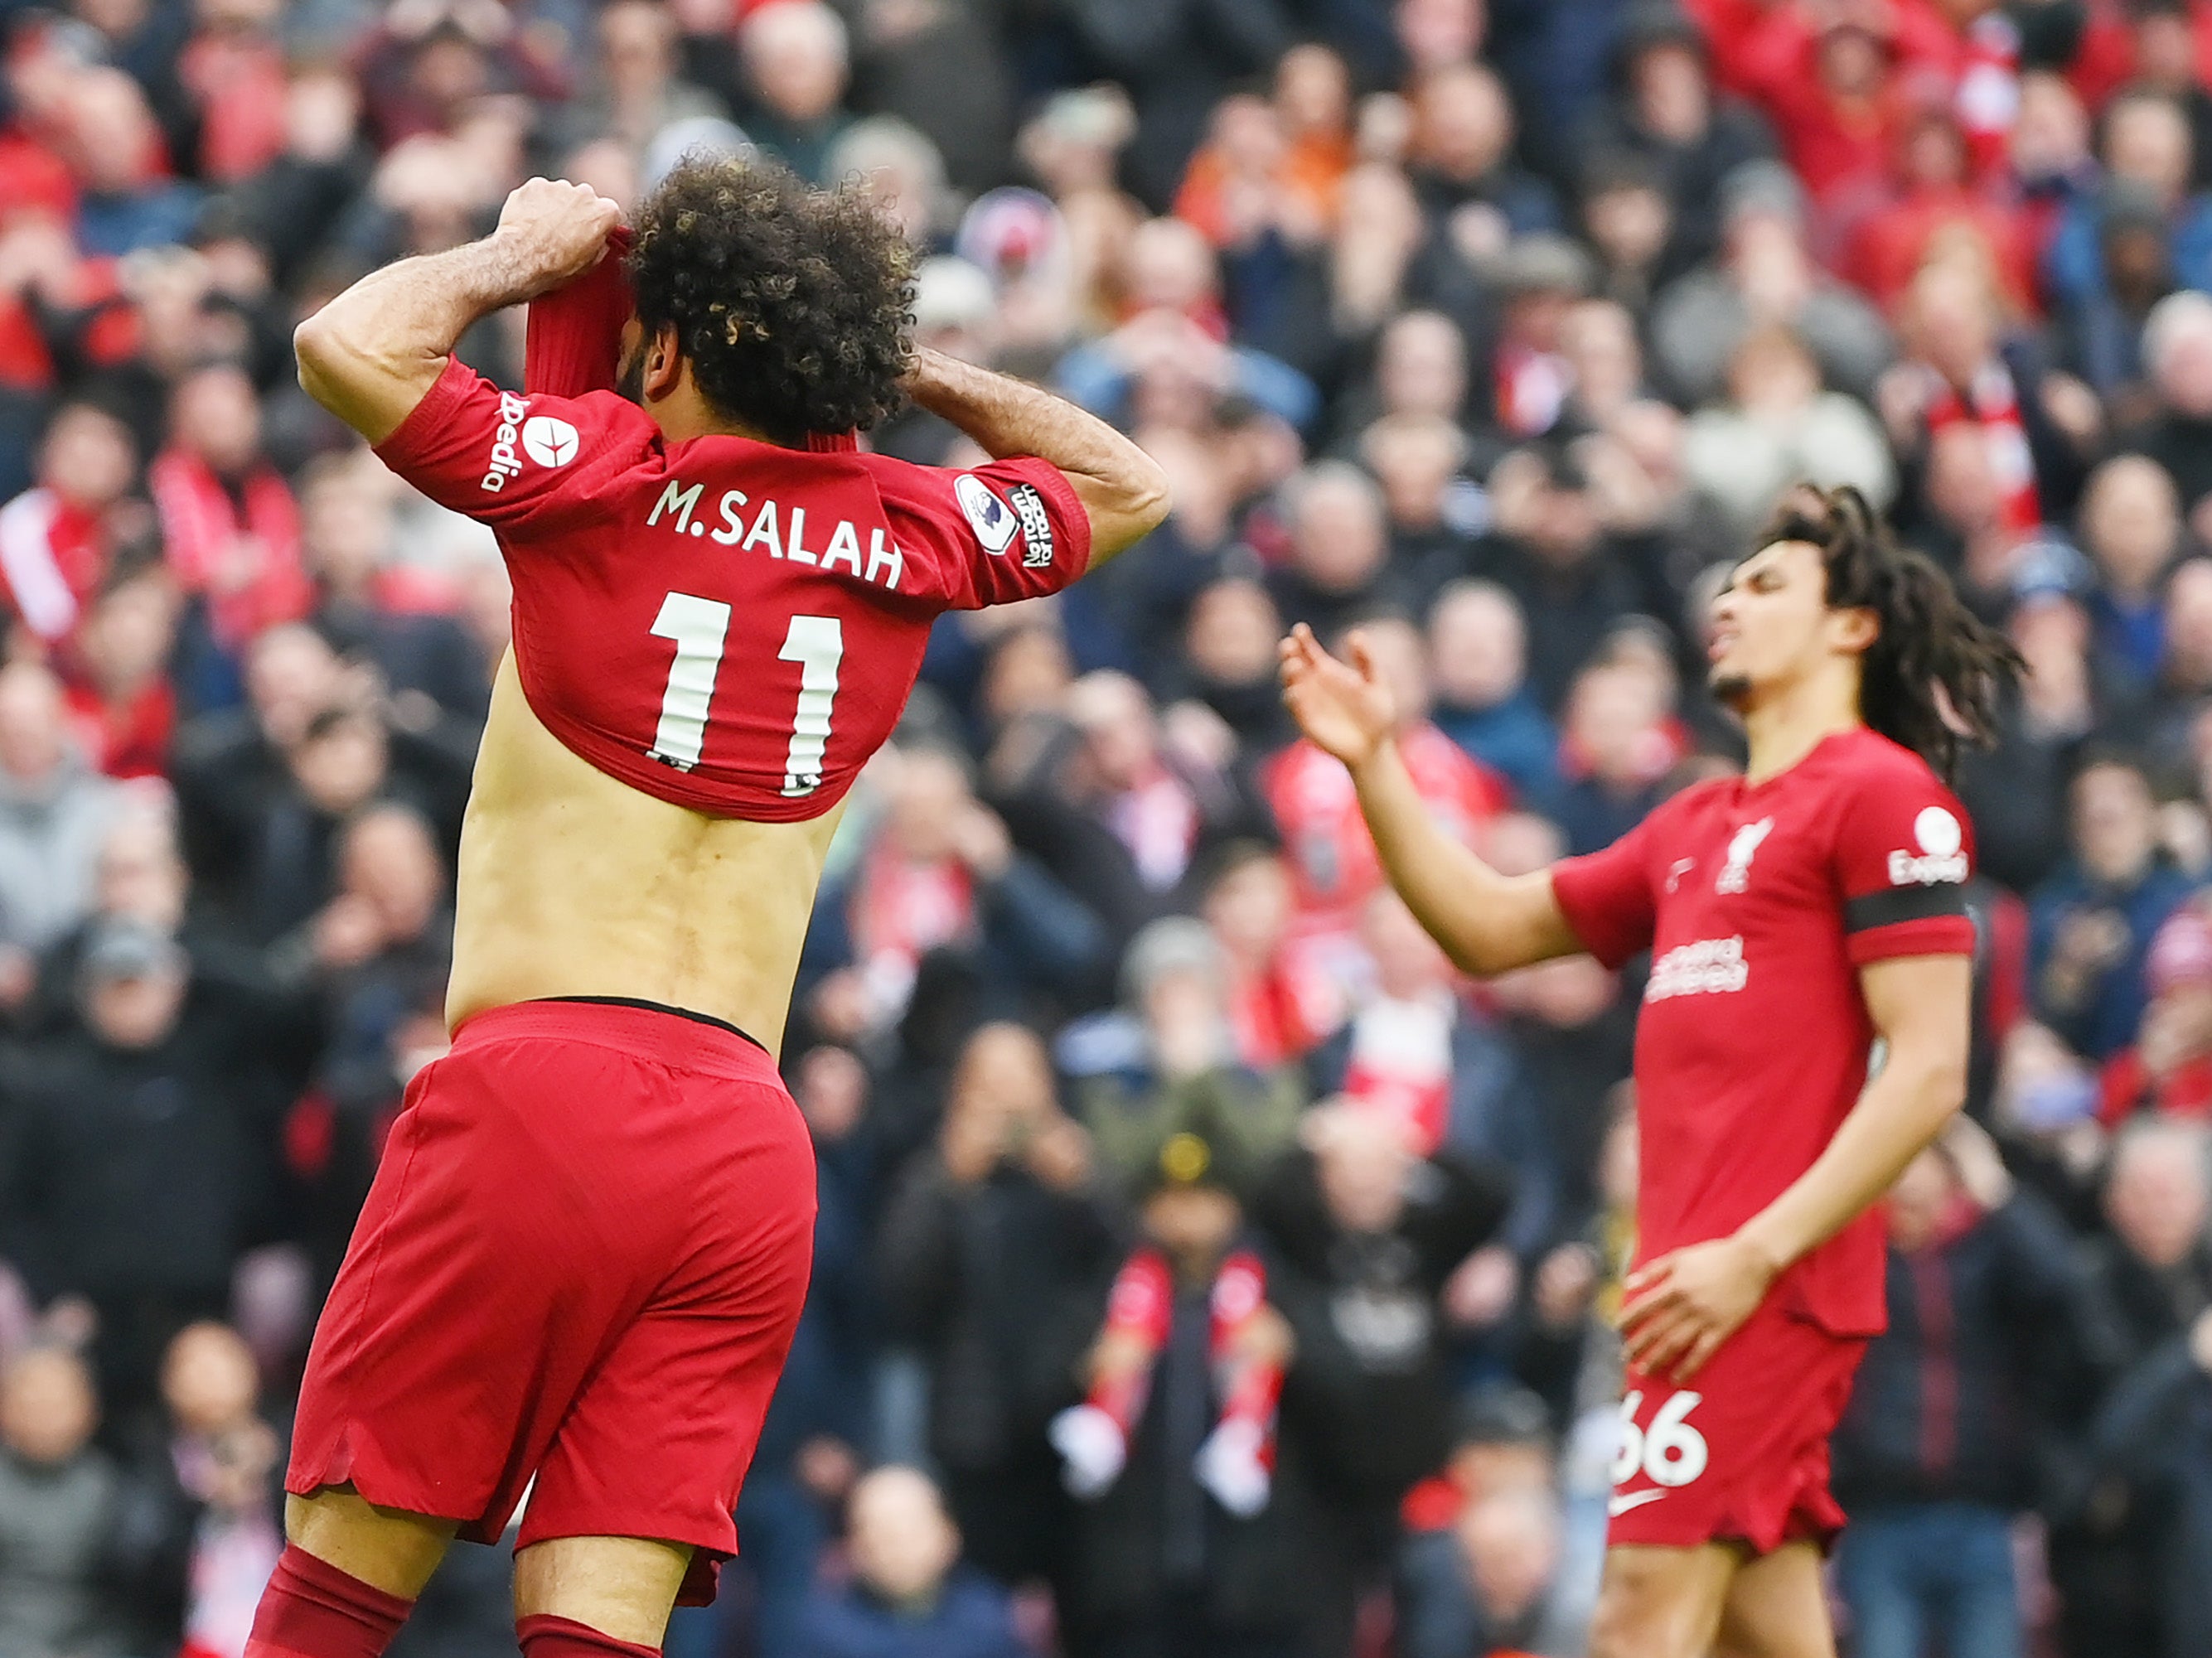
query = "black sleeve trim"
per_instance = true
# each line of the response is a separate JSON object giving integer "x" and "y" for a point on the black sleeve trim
{"x": 1894, "y": 904}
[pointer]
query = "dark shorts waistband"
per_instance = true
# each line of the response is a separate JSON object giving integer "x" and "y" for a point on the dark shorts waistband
{"x": 673, "y": 1036}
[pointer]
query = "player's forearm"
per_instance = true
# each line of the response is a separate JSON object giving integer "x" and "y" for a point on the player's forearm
{"x": 1900, "y": 1112}
{"x": 371, "y": 354}
{"x": 1121, "y": 487}
{"x": 1486, "y": 922}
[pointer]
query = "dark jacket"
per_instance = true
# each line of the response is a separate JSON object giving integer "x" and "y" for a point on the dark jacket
{"x": 969, "y": 1618}
{"x": 1365, "y": 1310}
{"x": 1988, "y": 1362}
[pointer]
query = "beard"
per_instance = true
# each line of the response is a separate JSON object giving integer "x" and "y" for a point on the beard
{"x": 1731, "y": 690}
{"x": 629, "y": 379}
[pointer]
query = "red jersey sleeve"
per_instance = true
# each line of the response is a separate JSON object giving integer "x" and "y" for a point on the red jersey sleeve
{"x": 574, "y": 333}
{"x": 1903, "y": 854}
{"x": 1607, "y": 898}
{"x": 989, "y": 535}
{"x": 500, "y": 456}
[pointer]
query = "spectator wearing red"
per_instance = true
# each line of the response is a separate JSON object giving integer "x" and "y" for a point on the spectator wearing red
{"x": 122, "y": 706}
{"x": 229, "y": 525}
{"x": 233, "y": 70}
{"x": 2168, "y": 1069}
{"x": 1935, "y": 200}
{"x": 54, "y": 536}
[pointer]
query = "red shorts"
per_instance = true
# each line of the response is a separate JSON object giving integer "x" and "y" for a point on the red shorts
{"x": 1740, "y": 1454}
{"x": 581, "y": 1263}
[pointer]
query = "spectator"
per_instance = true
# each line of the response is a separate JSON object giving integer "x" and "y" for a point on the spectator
{"x": 1618, "y": 747}
{"x": 1277, "y": 1016}
{"x": 2094, "y": 919}
{"x": 56, "y": 538}
{"x": 53, "y": 808}
{"x": 2148, "y": 145}
{"x": 942, "y": 873}
{"x": 1777, "y": 427}
{"x": 229, "y": 524}
{"x": 121, "y": 705}
{"x": 1955, "y": 1419}
{"x": 205, "y": 1534}
{"x": 1478, "y": 661}
{"x": 909, "y": 1595}
{"x": 1666, "y": 110}
{"x": 1171, "y": 1055}
{"x": 2132, "y": 528}
{"x": 57, "y": 1500}
{"x": 1414, "y": 1052}
{"x": 1764, "y": 273}
{"x": 1369, "y": 1229}
{"x": 2153, "y": 1276}
{"x": 983, "y": 1243}
{"x": 1201, "y": 1523}
{"x": 2178, "y": 347}
{"x": 142, "y": 1165}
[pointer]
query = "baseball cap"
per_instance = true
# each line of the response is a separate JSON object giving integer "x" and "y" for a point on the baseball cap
{"x": 1501, "y": 1414}
{"x": 2049, "y": 567}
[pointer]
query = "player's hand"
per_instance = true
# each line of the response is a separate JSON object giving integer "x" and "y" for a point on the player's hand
{"x": 557, "y": 229}
{"x": 1343, "y": 708}
{"x": 1682, "y": 1306}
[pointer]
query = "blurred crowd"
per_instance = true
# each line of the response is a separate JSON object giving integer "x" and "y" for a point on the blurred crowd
{"x": 1203, "y": 1267}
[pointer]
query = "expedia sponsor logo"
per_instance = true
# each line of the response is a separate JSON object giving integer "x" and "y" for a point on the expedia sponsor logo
{"x": 505, "y": 463}
{"x": 1036, "y": 526}
{"x": 1939, "y": 859}
{"x": 1711, "y": 967}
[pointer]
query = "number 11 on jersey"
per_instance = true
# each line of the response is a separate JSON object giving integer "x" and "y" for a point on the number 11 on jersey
{"x": 700, "y": 628}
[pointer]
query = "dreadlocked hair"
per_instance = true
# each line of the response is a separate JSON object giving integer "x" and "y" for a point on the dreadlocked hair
{"x": 1935, "y": 673}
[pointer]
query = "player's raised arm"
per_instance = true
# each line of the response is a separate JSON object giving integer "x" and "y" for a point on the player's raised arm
{"x": 1486, "y": 921}
{"x": 374, "y": 352}
{"x": 1123, "y": 491}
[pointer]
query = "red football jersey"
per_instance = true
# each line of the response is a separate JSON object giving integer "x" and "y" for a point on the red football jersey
{"x": 729, "y": 625}
{"x": 1760, "y": 903}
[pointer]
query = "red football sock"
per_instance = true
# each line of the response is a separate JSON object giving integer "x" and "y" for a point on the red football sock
{"x": 313, "y": 1610}
{"x": 544, "y": 1636}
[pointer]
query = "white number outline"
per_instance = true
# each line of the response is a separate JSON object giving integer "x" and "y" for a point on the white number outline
{"x": 700, "y": 628}
{"x": 1670, "y": 1451}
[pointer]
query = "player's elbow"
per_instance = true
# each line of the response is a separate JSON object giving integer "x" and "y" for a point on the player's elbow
{"x": 320, "y": 351}
{"x": 1149, "y": 500}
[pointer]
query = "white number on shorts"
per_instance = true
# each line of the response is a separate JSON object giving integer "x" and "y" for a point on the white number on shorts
{"x": 1670, "y": 1451}
{"x": 700, "y": 628}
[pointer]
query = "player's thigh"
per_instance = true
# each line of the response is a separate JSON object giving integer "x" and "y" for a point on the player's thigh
{"x": 387, "y": 1548}
{"x": 1777, "y": 1607}
{"x": 624, "y": 1587}
{"x": 1660, "y": 1602}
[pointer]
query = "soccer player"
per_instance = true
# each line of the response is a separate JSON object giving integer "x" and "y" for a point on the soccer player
{"x": 582, "y": 1259}
{"x": 1795, "y": 915}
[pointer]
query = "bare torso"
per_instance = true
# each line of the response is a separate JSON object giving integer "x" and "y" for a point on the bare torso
{"x": 571, "y": 883}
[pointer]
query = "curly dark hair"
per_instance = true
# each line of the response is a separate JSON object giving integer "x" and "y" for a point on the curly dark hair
{"x": 792, "y": 304}
{"x": 1936, "y": 673}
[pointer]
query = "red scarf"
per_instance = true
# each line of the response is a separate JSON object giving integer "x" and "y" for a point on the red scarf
{"x": 1992, "y": 402}
{"x": 1237, "y": 1463}
{"x": 901, "y": 911}
{"x": 51, "y": 560}
{"x": 248, "y": 563}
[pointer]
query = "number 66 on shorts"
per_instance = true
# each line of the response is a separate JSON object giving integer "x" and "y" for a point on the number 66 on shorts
{"x": 1744, "y": 1458}
{"x": 1670, "y": 1452}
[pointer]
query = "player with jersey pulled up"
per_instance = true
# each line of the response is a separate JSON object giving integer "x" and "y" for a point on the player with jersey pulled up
{"x": 584, "y": 1256}
{"x": 1795, "y": 915}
